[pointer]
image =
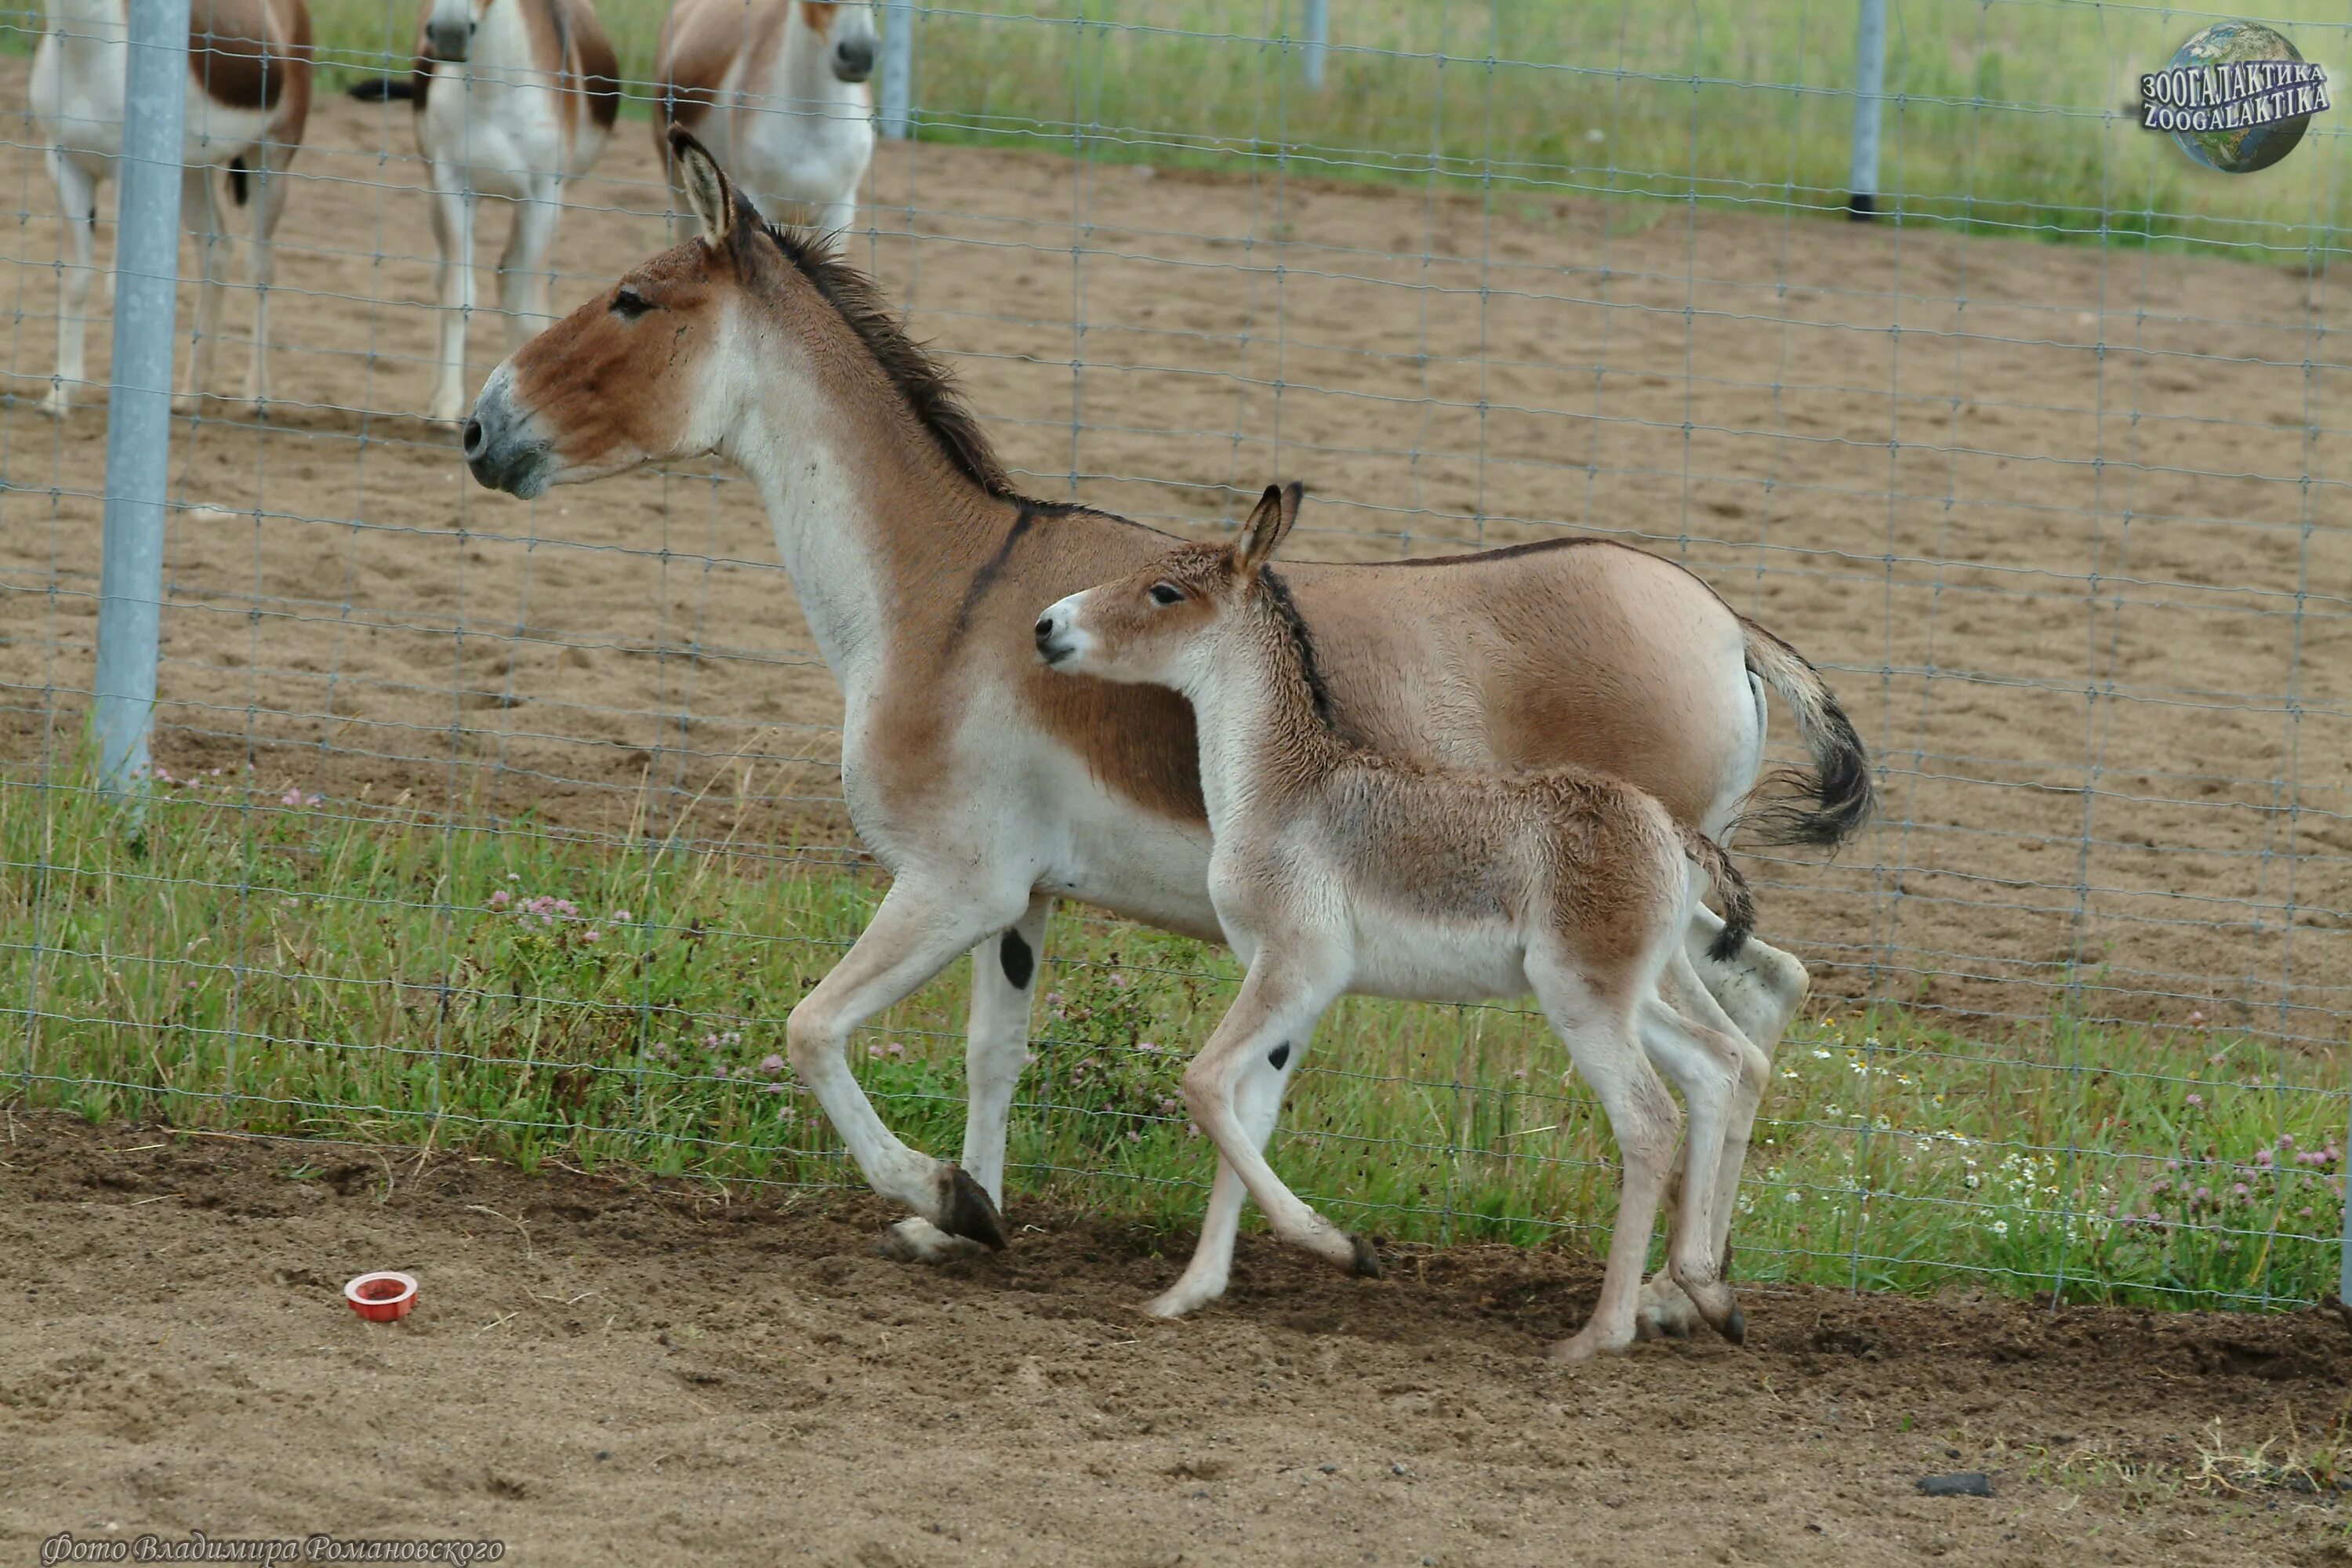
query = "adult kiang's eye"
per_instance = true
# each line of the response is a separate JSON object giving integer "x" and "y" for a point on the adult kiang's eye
{"x": 628, "y": 304}
{"x": 1167, "y": 594}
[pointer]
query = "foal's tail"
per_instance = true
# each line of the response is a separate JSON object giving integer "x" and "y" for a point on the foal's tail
{"x": 1839, "y": 781}
{"x": 1739, "y": 904}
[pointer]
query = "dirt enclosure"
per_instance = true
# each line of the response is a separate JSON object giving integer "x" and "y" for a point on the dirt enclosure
{"x": 2059, "y": 519}
{"x": 607, "y": 1373}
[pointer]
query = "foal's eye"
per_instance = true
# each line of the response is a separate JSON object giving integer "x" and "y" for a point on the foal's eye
{"x": 628, "y": 304}
{"x": 1167, "y": 594}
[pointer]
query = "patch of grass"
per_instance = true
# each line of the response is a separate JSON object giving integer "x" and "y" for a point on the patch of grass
{"x": 248, "y": 957}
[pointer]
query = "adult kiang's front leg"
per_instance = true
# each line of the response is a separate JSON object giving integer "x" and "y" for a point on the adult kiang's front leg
{"x": 920, "y": 929}
{"x": 453, "y": 226}
{"x": 1004, "y": 983}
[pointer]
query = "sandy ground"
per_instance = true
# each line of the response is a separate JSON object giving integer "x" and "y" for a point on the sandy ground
{"x": 2044, "y": 511}
{"x": 602, "y": 1372}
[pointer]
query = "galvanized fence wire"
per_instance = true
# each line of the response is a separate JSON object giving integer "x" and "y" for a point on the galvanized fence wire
{"x": 480, "y": 819}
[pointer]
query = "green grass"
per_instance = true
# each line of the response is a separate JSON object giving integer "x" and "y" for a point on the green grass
{"x": 338, "y": 970}
{"x": 2004, "y": 116}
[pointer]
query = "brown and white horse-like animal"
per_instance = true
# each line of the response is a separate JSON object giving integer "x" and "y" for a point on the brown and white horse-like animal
{"x": 1338, "y": 869}
{"x": 248, "y": 97}
{"x": 986, "y": 784}
{"x": 514, "y": 98}
{"x": 776, "y": 91}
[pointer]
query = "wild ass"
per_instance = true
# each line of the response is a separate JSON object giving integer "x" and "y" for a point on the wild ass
{"x": 249, "y": 95}
{"x": 1338, "y": 869}
{"x": 514, "y": 98}
{"x": 776, "y": 91}
{"x": 985, "y": 784}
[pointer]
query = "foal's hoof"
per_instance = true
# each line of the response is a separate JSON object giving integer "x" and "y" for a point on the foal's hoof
{"x": 1366, "y": 1264}
{"x": 966, "y": 1209}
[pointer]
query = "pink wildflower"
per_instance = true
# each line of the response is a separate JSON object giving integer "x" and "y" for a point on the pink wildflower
{"x": 771, "y": 1065}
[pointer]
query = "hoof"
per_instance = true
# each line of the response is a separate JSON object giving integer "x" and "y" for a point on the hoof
{"x": 966, "y": 1210}
{"x": 1366, "y": 1263}
{"x": 1667, "y": 1313}
{"x": 918, "y": 1240}
{"x": 1585, "y": 1346}
{"x": 1734, "y": 1327}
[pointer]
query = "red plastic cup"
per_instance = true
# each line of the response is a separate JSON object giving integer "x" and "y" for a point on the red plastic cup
{"x": 383, "y": 1297}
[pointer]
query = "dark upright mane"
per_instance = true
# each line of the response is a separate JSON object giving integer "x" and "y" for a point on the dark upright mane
{"x": 1286, "y": 609}
{"x": 927, "y": 386}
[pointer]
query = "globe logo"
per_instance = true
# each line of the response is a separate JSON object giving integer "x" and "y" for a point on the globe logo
{"x": 2237, "y": 96}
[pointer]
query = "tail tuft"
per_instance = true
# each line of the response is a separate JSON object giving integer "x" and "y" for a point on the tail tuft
{"x": 1843, "y": 796}
{"x": 1731, "y": 887}
{"x": 236, "y": 180}
{"x": 383, "y": 89}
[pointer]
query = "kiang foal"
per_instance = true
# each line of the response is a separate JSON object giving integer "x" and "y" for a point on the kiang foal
{"x": 1338, "y": 869}
{"x": 988, "y": 784}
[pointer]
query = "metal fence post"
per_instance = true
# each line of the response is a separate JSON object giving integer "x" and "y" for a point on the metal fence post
{"x": 1869, "y": 102}
{"x": 1316, "y": 32}
{"x": 138, "y": 410}
{"x": 897, "y": 112}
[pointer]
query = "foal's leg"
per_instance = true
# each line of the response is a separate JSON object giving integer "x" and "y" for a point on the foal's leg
{"x": 1598, "y": 1033}
{"x": 1706, "y": 1065}
{"x": 78, "y": 205}
{"x": 453, "y": 226}
{"x": 919, "y": 930}
{"x": 1280, "y": 999}
{"x": 1665, "y": 1310}
{"x": 1258, "y": 1106}
{"x": 1004, "y": 980}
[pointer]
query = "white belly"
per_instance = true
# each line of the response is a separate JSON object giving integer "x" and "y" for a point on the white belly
{"x": 502, "y": 142}
{"x": 78, "y": 98}
{"x": 1416, "y": 963}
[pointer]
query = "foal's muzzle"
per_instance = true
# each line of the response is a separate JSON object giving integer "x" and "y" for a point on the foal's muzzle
{"x": 1057, "y": 638}
{"x": 499, "y": 448}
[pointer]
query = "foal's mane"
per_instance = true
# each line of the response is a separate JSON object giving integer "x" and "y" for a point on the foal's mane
{"x": 927, "y": 384}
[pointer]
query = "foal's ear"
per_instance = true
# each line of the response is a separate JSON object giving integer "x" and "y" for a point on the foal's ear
{"x": 707, "y": 188}
{"x": 1268, "y": 525}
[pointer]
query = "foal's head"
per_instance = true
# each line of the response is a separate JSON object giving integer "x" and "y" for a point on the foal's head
{"x": 1159, "y": 626}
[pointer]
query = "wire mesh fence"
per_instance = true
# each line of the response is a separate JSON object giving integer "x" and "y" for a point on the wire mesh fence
{"x": 522, "y": 821}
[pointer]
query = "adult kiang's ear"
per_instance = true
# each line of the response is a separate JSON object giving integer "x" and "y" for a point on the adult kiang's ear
{"x": 1269, "y": 524}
